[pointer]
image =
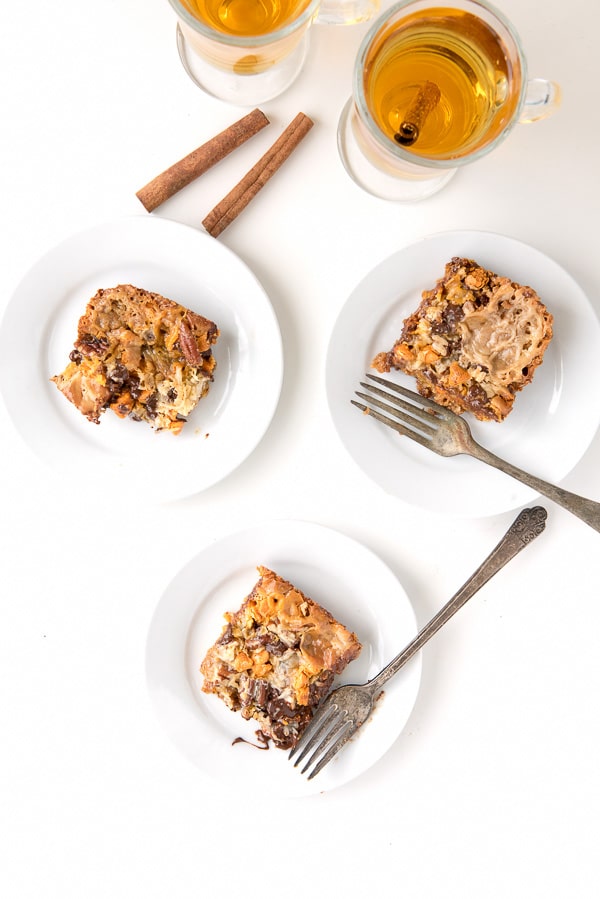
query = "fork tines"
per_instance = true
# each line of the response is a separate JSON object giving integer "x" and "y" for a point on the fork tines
{"x": 412, "y": 409}
{"x": 328, "y": 731}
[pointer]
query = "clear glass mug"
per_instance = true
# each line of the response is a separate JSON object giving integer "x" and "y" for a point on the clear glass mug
{"x": 435, "y": 88}
{"x": 249, "y": 51}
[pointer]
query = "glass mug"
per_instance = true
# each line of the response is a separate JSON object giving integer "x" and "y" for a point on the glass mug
{"x": 435, "y": 88}
{"x": 249, "y": 51}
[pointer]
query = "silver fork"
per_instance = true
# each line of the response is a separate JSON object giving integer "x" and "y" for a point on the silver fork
{"x": 448, "y": 434}
{"x": 345, "y": 709}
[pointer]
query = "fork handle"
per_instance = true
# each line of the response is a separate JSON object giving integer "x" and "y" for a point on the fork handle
{"x": 526, "y": 527}
{"x": 585, "y": 509}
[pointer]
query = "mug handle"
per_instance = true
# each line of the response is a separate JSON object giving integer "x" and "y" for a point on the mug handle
{"x": 346, "y": 12}
{"x": 542, "y": 99}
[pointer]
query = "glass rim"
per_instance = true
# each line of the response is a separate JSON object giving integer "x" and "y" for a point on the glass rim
{"x": 232, "y": 40}
{"x": 367, "y": 118}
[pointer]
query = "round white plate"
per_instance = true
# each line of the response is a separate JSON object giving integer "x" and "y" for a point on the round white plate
{"x": 341, "y": 575}
{"x": 545, "y": 434}
{"x": 187, "y": 266}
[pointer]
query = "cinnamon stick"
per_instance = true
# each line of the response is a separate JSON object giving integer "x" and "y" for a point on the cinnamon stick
{"x": 422, "y": 106}
{"x": 237, "y": 199}
{"x": 198, "y": 161}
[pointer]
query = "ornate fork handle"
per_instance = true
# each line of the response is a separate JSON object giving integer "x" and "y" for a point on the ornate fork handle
{"x": 585, "y": 509}
{"x": 525, "y": 528}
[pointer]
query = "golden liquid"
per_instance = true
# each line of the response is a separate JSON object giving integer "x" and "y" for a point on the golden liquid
{"x": 478, "y": 85}
{"x": 246, "y": 18}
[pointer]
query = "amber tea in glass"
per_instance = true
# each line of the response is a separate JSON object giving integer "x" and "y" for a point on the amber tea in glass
{"x": 434, "y": 88}
{"x": 441, "y": 83}
{"x": 243, "y": 51}
{"x": 246, "y": 18}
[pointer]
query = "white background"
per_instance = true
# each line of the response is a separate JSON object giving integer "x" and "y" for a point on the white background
{"x": 493, "y": 789}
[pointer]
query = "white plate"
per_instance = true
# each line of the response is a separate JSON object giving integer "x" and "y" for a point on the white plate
{"x": 340, "y": 574}
{"x": 546, "y": 433}
{"x": 185, "y": 265}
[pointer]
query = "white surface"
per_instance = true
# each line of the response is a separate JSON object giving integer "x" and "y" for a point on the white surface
{"x": 493, "y": 788}
{"x": 546, "y": 414}
{"x": 187, "y": 266}
{"x": 338, "y": 573}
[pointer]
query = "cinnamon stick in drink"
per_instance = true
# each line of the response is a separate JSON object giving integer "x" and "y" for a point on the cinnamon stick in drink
{"x": 424, "y": 103}
{"x": 237, "y": 199}
{"x": 200, "y": 160}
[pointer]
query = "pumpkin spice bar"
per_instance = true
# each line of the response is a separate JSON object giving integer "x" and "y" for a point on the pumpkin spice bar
{"x": 474, "y": 342}
{"x": 276, "y": 658}
{"x": 141, "y": 355}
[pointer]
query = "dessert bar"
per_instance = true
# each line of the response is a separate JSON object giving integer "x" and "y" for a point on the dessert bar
{"x": 141, "y": 355}
{"x": 276, "y": 658}
{"x": 474, "y": 342}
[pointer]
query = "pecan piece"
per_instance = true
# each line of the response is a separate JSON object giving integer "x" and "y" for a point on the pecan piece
{"x": 91, "y": 346}
{"x": 188, "y": 344}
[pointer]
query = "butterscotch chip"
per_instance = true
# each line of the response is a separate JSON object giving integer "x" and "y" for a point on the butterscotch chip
{"x": 276, "y": 658}
{"x": 474, "y": 342}
{"x": 141, "y": 355}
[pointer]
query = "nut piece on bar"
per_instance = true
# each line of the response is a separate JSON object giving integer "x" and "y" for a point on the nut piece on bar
{"x": 474, "y": 342}
{"x": 276, "y": 658}
{"x": 142, "y": 356}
